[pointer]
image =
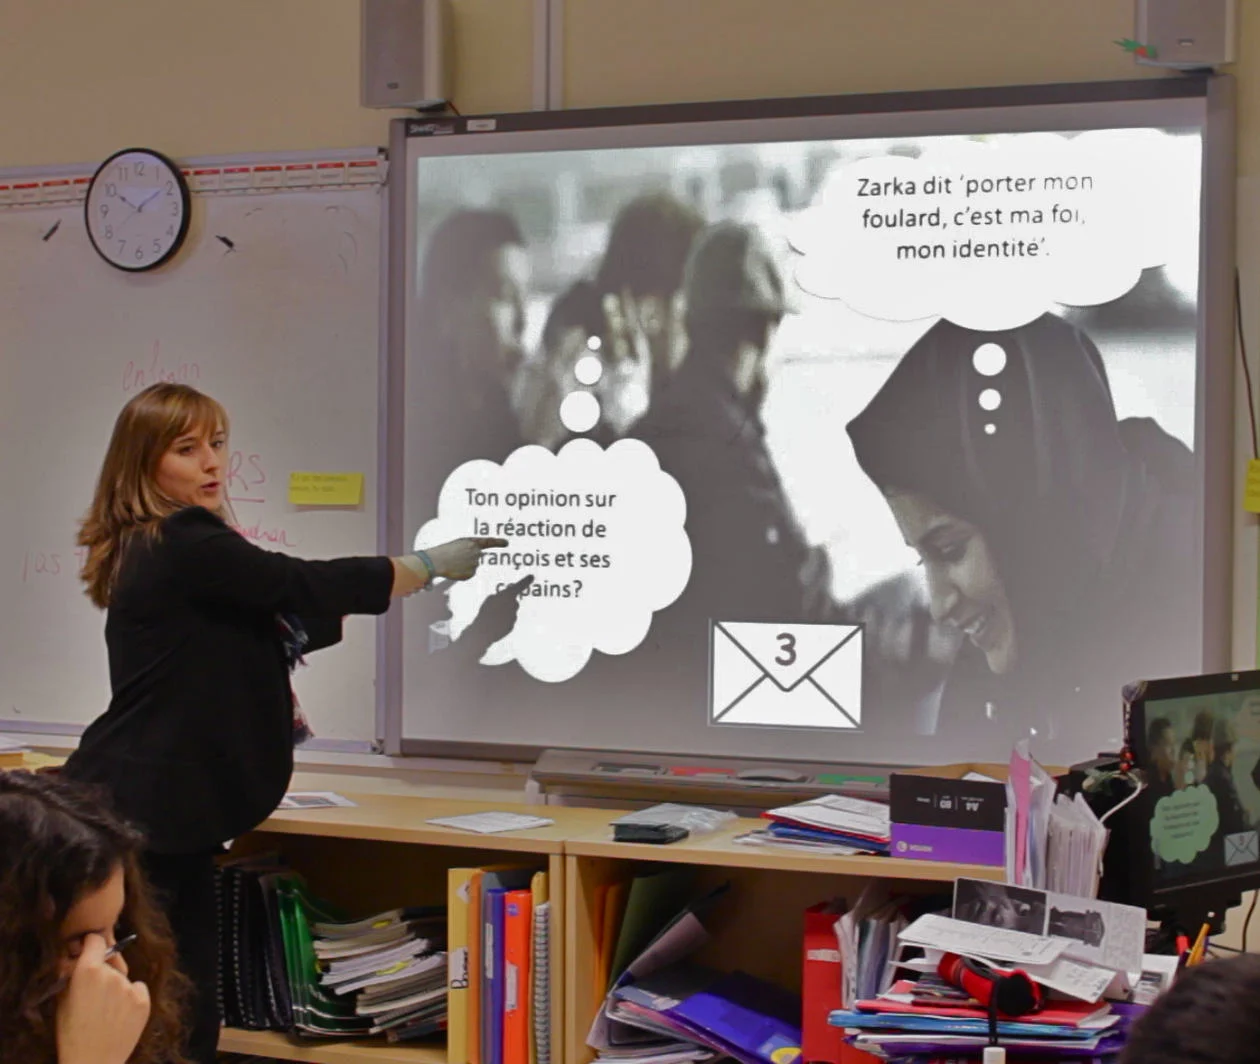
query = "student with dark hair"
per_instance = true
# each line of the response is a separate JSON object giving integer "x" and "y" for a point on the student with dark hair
{"x": 1208, "y": 1017}
{"x": 1055, "y": 536}
{"x": 71, "y": 886}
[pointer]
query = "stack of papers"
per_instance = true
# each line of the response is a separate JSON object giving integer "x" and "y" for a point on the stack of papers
{"x": 392, "y": 966}
{"x": 887, "y": 1027}
{"x": 13, "y": 751}
{"x": 853, "y": 824}
{"x": 1030, "y": 792}
{"x": 491, "y": 823}
{"x": 1074, "y": 848}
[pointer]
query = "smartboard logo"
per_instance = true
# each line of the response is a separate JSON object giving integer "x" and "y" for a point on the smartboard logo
{"x": 430, "y": 129}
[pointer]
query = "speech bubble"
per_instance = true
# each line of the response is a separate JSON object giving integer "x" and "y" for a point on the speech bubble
{"x": 601, "y": 531}
{"x": 1184, "y": 824}
{"x": 993, "y": 233}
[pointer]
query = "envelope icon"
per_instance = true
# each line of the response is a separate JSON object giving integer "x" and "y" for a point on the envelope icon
{"x": 786, "y": 675}
{"x": 1243, "y": 848}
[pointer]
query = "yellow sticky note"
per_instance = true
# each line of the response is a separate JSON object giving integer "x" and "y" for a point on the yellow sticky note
{"x": 325, "y": 489}
{"x": 1251, "y": 488}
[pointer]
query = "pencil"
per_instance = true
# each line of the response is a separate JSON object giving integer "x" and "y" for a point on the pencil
{"x": 1196, "y": 951}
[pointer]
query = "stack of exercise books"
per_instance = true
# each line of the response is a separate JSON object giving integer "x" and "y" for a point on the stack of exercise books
{"x": 254, "y": 990}
{"x": 289, "y": 961}
{"x": 391, "y": 966}
{"x": 499, "y": 966}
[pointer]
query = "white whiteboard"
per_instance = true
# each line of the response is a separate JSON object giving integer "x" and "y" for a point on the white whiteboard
{"x": 281, "y": 327}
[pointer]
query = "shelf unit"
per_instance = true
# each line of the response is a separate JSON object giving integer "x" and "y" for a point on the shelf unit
{"x": 360, "y": 1051}
{"x": 381, "y": 853}
{"x": 756, "y": 927}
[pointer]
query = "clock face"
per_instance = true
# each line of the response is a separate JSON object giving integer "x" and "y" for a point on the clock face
{"x": 137, "y": 209}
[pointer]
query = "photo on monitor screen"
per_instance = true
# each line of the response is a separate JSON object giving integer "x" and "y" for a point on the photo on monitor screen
{"x": 1202, "y": 765}
{"x": 846, "y": 442}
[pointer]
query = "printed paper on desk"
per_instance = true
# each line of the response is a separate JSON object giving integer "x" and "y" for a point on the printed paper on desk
{"x": 1095, "y": 932}
{"x": 976, "y": 940}
{"x": 314, "y": 800}
{"x": 491, "y": 823}
{"x": 1086, "y": 982}
{"x": 786, "y": 675}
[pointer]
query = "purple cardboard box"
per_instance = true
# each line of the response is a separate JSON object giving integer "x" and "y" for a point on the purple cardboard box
{"x": 938, "y": 815}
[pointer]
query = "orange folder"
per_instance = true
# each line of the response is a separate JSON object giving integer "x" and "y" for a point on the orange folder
{"x": 518, "y": 946}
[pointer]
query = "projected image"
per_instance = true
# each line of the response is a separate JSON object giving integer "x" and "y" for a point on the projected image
{"x": 1203, "y": 773}
{"x": 878, "y": 437}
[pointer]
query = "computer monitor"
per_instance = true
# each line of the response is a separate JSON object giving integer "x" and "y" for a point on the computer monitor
{"x": 1190, "y": 839}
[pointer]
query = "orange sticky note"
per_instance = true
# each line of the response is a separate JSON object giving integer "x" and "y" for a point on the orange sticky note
{"x": 325, "y": 489}
{"x": 1251, "y": 487}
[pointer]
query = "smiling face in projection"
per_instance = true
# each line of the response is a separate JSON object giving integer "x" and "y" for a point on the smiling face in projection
{"x": 963, "y": 583}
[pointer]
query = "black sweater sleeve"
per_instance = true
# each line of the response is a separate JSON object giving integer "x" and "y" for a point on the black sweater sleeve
{"x": 217, "y": 564}
{"x": 321, "y": 632}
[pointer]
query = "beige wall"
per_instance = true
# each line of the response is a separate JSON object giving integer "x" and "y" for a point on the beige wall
{"x": 81, "y": 78}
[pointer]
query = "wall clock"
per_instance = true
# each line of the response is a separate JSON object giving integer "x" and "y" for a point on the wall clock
{"x": 137, "y": 209}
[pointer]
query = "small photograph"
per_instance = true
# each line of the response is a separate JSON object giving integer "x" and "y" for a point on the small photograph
{"x": 1000, "y": 905}
{"x": 1087, "y": 927}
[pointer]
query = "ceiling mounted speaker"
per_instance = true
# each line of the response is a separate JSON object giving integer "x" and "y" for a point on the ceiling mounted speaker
{"x": 1187, "y": 34}
{"x": 404, "y": 50}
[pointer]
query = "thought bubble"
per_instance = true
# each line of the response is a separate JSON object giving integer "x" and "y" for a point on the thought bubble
{"x": 1184, "y": 824}
{"x": 993, "y": 233}
{"x": 602, "y": 533}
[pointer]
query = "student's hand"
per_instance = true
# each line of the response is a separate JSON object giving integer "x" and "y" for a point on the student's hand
{"x": 101, "y": 1014}
{"x": 458, "y": 559}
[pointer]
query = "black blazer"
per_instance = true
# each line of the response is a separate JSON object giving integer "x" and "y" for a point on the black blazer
{"x": 197, "y": 744}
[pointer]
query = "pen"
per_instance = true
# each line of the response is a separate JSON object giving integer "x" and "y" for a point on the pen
{"x": 120, "y": 945}
{"x": 116, "y": 948}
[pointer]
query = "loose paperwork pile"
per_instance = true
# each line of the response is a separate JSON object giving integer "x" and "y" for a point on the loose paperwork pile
{"x": 659, "y": 1007}
{"x": 831, "y": 824}
{"x": 1088, "y": 984}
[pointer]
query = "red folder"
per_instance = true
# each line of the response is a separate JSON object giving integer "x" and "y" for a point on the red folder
{"x": 820, "y": 986}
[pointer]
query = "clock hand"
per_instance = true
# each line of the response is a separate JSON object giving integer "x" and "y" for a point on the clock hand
{"x": 128, "y": 202}
{"x": 149, "y": 199}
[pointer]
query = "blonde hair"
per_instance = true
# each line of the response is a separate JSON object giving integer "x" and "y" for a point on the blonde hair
{"x": 128, "y": 500}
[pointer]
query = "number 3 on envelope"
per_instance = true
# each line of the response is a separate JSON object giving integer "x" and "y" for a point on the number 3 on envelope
{"x": 786, "y": 675}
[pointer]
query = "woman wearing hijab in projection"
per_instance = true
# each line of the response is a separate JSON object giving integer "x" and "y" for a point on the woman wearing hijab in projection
{"x": 1057, "y": 538}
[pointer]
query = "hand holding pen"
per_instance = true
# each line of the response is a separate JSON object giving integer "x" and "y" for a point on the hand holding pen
{"x": 101, "y": 1013}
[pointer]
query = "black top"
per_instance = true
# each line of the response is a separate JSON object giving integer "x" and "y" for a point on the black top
{"x": 197, "y": 744}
